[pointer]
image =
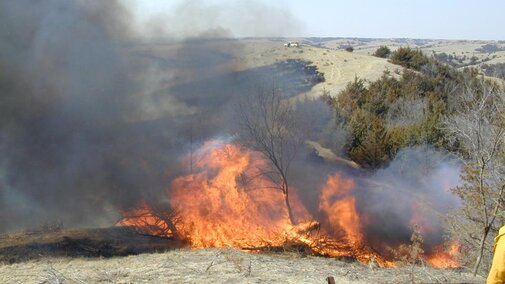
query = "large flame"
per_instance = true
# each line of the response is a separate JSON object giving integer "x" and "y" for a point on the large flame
{"x": 228, "y": 201}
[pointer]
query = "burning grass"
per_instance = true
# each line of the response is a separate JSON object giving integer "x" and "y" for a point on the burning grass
{"x": 229, "y": 202}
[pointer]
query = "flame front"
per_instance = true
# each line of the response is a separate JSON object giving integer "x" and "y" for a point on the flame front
{"x": 227, "y": 201}
{"x": 442, "y": 257}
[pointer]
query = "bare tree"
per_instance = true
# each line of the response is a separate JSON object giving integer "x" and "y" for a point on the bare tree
{"x": 478, "y": 126}
{"x": 268, "y": 125}
{"x": 405, "y": 112}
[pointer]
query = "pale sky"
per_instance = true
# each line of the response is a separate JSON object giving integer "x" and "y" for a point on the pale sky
{"x": 435, "y": 19}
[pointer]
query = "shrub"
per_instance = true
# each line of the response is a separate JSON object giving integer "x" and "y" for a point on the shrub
{"x": 393, "y": 112}
{"x": 382, "y": 52}
{"x": 410, "y": 58}
{"x": 349, "y": 49}
{"x": 490, "y": 48}
{"x": 495, "y": 70}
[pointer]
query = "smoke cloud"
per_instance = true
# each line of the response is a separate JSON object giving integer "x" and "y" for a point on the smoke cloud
{"x": 413, "y": 190}
{"x": 63, "y": 98}
{"x": 92, "y": 120}
{"x": 227, "y": 19}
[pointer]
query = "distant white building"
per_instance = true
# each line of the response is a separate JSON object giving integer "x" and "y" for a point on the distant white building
{"x": 292, "y": 44}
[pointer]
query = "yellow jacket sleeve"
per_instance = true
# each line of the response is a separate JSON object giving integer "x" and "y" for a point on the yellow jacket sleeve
{"x": 497, "y": 271}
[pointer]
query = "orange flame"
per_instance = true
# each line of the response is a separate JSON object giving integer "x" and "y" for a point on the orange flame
{"x": 227, "y": 201}
{"x": 442, "y": 257}
{"x": 340, "y": 208}
{"x": 144, "y": 217}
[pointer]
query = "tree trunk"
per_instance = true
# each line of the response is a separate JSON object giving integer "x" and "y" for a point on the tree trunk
{"x": 288, "y": 207}
{"x": 172, "y": 228}
{"x": 481, "y": 250}
{"x": 486, "y": 218}
{"x": 285, "y": 191}
{"x": 167, "y": 214}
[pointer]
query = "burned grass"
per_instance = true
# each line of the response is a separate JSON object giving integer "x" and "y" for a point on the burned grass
{"x": 103, "y": 242}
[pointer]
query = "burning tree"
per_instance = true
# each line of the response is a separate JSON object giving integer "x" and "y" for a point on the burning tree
{"x": 478, "y": 125}
{"x": 269, "y": 126}
{"x": 153, "y": 218}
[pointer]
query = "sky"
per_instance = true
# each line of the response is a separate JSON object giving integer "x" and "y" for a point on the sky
{"x": 433, "y": 19}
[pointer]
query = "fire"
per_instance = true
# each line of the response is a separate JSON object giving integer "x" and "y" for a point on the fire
{"x": 227, "y": 201}
{"x": 343, "y": 222}
{"x": 144, "y": 217}
{"x": 442, "y": 257}
{"x": 340, "y": 208}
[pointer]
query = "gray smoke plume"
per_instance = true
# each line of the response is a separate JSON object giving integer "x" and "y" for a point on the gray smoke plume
{"x": 64, "y": 95}
{"x": 413, "y": 190}
{"x": 92, "y": 120}
{"x": 231, "y": 18}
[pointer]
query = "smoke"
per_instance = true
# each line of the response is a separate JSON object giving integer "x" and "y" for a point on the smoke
{"x": 414, "y": 190}
{"x": 227, "y": 19}
{"x": 94, "y": 116}
{"x": 63, "y": 97}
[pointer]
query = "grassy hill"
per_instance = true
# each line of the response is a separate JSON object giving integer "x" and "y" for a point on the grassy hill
{"x": 327, "y": 54}
{"x": 338, "y": 66}
{"x": 490, "y": 52}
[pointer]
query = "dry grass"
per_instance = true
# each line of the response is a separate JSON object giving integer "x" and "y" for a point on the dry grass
{"x": 338, "y": 66}
{"x": 341, "y": 67}
{"x": 51, "y": 260}
{"x": 216, "y": 266}
{"x": 468, "y": 48}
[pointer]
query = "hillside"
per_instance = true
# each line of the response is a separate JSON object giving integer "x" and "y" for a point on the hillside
{"x": 338, "y": 66}
{"x": 489, "y": 52}
{"x": 327, "y": 54}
